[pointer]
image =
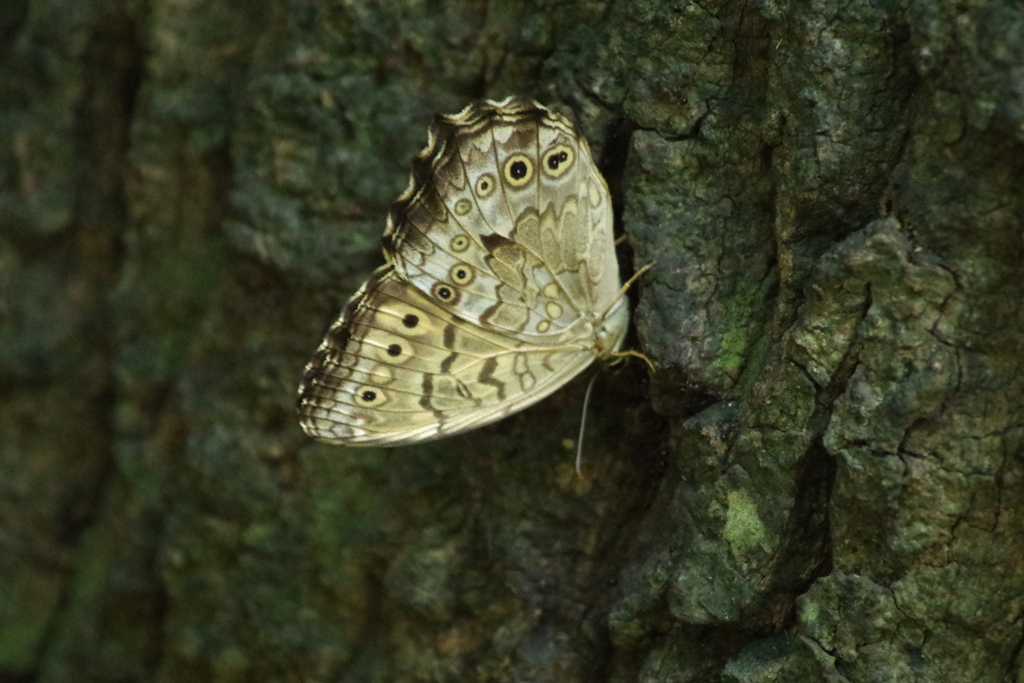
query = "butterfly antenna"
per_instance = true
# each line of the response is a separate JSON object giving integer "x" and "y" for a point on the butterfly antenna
{"x": 583, "y": 426}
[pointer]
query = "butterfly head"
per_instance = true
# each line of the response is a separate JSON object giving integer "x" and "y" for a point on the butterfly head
{"x": 610, "y": 331}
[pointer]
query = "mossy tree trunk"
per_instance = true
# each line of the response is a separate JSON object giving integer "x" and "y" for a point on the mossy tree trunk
{"x": 823, "y": 481}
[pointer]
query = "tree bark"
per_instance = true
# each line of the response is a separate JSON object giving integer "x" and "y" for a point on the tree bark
{"x": 822, "y": 481}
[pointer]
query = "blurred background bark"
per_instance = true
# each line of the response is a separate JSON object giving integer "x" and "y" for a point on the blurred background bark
{"x": 822, "y": 482}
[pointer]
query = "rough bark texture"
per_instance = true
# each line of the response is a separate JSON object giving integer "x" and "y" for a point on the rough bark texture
{"x": 824, "y": 481}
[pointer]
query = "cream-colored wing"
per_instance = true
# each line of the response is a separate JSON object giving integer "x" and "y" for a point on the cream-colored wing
{"x": 507, "y": 224}
{"x": 396, "y": 368}
{"x": 501, "y": 286}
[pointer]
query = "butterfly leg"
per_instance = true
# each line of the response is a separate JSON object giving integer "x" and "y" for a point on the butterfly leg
{"x": 635, "y": 354}
{"x": 622, "y": 292}
{"x": 629, "y": 282}
{"x": 636, "y": 275}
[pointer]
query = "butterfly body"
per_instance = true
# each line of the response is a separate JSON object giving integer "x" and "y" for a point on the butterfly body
{"x": 501, "y": 285}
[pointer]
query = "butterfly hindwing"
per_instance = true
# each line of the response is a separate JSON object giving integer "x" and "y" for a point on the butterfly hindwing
{"x": 396, "y": 368}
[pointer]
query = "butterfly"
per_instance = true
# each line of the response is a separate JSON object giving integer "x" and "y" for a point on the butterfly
{"x": 501, "y": 285}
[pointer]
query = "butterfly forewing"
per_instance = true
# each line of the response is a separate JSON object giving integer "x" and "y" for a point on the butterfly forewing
{"x": 498, "y": 203}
